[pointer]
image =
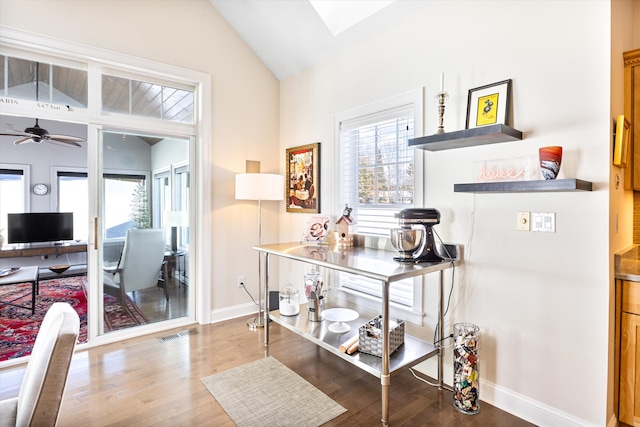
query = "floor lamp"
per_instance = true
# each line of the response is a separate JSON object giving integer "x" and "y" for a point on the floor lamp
{"x": 173, "y": 220}
{"x": 259, "y": 186}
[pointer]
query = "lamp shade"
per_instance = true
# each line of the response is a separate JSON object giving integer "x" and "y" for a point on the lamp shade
{"x": 175, "y": 218}
{"x": 259, "y": 186}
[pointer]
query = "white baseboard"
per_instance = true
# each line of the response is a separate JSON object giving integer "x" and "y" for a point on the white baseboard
{"x": 232, "y": 312}
{"x": 528, "y": 409}
{"x": 514, "y": 403}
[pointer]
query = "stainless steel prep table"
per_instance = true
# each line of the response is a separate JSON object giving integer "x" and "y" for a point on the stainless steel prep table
{"x": 373, "y": 263}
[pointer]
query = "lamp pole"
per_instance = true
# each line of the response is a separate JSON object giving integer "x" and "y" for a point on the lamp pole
{"x": 256, "y": 322}
{"x": 259, "y": 186}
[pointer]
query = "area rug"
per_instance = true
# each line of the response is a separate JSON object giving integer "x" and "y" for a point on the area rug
{"x": 267, "y": 393}
{"x": 18, "y": 328}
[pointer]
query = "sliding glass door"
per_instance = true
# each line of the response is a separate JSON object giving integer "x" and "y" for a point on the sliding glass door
{"x": 127, "y": 180}
{"x": 145, "y": 210}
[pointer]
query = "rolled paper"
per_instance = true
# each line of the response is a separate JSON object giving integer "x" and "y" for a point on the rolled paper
{"x": 353, "y": 348}
{"x": 348, "y": 343}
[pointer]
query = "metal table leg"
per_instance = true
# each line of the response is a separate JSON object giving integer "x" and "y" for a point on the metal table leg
{"x": 385, "y": 377}
{"x": 441, "y": 331}
{"x": 266, "y": 299}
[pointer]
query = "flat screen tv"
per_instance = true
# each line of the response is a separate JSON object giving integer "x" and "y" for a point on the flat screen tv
{"x": 39, "y": 227}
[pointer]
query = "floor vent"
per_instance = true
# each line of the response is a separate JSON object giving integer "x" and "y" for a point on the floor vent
{"x": 178, "y": 335}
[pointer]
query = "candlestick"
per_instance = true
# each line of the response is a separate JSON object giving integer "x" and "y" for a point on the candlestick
{"x": 441, "y": 98}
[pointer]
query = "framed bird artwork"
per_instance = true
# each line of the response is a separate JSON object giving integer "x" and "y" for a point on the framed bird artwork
{"x": 489, "y": 105}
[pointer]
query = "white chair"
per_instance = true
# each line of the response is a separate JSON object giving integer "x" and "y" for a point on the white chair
{"x": 38, "y": 402}
{"x": 140, "y": 265}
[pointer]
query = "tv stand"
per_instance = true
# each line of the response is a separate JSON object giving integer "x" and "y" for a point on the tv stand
{"x": 26, "y": 250}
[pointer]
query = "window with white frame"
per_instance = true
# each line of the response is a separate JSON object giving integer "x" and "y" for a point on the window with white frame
{"x": 73, "y": 196}
{"x": 13, "y": 192}
{"x": 120, "y": 189}
{"x": 171, "y": 193}
{"x": 143, "y": 98}
{"x": 182, "y": 183}
{"x": 54, "y": 83}
{"x": 378, "y": 177}
{"x": 377, "y": 168}
{"x": 161, "y": 199}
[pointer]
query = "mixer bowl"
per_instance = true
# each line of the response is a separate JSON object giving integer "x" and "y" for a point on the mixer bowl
{"x": 406, "y": 240}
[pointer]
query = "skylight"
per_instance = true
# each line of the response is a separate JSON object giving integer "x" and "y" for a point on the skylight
{"x": 340, "y": 15}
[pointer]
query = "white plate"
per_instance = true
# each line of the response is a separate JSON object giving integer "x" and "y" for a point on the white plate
{"x": 340, "y": 315}
{"x": 7, "y": 271}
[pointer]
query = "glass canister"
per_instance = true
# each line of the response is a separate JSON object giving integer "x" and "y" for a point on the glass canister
{"x": 313, "y": 283}
{"x": 289, "y": 301}
{"x": 314, "y": 291}
{"x": 466, "y": 377}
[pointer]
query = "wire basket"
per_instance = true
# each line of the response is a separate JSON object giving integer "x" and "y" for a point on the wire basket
{"x": 370, "y": 336}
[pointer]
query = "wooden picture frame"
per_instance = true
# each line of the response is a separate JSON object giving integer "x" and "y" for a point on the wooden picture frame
{"x": 621, "y": 141}
{"x": 302, "y": 180}
{"x": 489, "y": 105}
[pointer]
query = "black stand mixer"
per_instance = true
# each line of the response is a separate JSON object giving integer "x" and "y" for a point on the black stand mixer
{"x": 414, "y": 238}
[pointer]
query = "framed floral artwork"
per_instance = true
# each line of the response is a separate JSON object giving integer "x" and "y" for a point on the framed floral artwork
{"x": 302, "y": 179}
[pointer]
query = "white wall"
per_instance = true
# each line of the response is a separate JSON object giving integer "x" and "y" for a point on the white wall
{"x": 169, "y": 151}
{"x": 541, "y": 300}
{"x": 244, "y": 111}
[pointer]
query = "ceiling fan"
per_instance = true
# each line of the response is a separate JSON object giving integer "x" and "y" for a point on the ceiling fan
{"x": 37, "y": 134}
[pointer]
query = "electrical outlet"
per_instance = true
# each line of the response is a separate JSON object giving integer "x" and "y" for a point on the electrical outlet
{"x": 240, "y": 281}
{"x": 544, "y": 222}
{"x": 523, "y": 221}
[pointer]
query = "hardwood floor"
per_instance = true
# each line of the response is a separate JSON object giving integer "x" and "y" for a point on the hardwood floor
{"x": 153, "y": 304}
{"x": 147, "y": 381}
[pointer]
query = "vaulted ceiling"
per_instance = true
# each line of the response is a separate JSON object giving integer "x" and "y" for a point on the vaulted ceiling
{"x": 290, "y": 35}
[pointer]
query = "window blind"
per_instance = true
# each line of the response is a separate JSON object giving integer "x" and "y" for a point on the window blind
{"x": 11, "y": 172}
{"x": 377, "y": 167}
{"x": 377, "y": 180}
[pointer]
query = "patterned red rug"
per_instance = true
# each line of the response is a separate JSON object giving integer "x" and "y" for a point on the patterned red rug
{"x": 18, "y": 328}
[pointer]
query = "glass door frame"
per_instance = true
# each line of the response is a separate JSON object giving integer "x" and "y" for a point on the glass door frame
{"x": 95, "y": 245}
{"x": 98, "y": 60}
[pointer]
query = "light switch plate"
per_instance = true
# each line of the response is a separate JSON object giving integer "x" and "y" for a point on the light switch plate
{"x": 543, "y": 221}
{"x": 523, "y": 221}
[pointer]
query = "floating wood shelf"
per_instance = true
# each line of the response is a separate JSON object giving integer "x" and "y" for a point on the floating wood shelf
{"x": 524, "y": 186}
{"x": 466, "y": 138}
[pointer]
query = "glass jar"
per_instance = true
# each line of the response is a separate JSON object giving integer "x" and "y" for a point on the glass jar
{"x": 313, "y": 283}
{"x": 466, "y": 381}
{"x": 314, "y": 291}
{"x": 289, "y": 304}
